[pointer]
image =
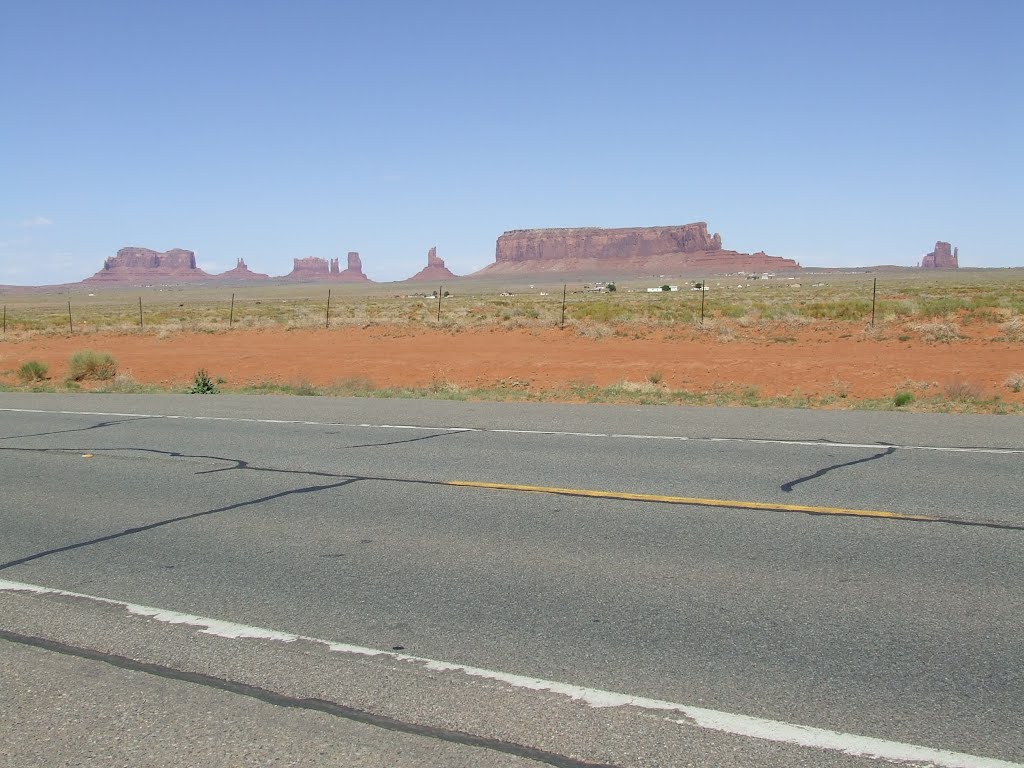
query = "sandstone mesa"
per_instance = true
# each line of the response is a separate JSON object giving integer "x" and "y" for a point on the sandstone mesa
{"x": 564, "y": 252}
{"x": 134, "y": 264}
{"x": 639, "y": 250}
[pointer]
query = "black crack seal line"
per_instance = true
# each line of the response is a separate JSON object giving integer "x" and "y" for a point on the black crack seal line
{"x": 315, "y": 705}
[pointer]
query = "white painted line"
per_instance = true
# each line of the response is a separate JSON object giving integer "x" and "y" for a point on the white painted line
{"x": 612, "y": 435}
{"x": 700, "y": 717}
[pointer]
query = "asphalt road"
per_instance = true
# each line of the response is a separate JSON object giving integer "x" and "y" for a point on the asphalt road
{"x": 694, "y": 585}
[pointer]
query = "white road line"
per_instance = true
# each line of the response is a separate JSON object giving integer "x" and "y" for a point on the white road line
{"x": 610, "y": 435}
{"x": 700, "y": 717}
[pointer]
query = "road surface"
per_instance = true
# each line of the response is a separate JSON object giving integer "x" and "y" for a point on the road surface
{"x": 387, "y": 582}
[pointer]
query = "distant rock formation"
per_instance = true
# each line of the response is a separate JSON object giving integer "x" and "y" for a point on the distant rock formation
{"x": 241, "y": 272}
{"x": 636, "y": 250}
{"x": 315, "y": 268}
{"x": 135, "y": 265}
{"x": 942, "y": 257}
{"x": 435, "y": 269}
{"x": 354, "y": 271}
{"x": 310, "y": 268}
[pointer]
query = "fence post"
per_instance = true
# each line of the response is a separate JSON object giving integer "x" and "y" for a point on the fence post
{"x": 231, "y": 313}
{"x": 874, "y": 291}
{"x": 140, "y": 311}
{"x": 703, "y": 290}
{"x": 439, "y": 288}
{"x": 327, "y": 322}
{"x": 562, "y": 323}
{"x": 71, "y": 323}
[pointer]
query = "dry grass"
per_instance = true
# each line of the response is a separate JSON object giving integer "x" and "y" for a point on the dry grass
{"x": 943, "y": 332}
{"x": 1013, "y": 329}
{"x": 90, "y": 365}
{"x": 929, "y": 300}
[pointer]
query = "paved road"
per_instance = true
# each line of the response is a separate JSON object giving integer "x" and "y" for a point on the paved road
{"x": 728, "y": 621}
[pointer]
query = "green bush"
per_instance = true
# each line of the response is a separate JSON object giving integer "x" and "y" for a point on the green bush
{"x": 902, "y": 399}
{"x": 202, "y": 384}
{"x": 33, "y": 370}
{"x": 91, "y": 365}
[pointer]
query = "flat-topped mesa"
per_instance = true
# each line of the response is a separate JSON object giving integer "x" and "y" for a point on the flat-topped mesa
{"x": 315, "y": 268}
{"x": 309, "y": 268}
{"x": 144, "y": 264}
{"x": 639, "y": 250}
{"x": 942, "y": 257}
{"x": 435, "y": 269}
{"x": 612, "y": 244}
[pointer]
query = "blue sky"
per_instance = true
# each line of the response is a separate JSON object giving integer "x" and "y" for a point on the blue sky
{"x": 838, "y": 134}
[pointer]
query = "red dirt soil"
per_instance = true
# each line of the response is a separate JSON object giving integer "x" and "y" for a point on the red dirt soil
{"x": 812, "y": 361}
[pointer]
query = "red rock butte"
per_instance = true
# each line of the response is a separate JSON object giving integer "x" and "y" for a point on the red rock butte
{"x": 435, "y": 269}
{"x": 638, "y": 250}
{"x": 942, "y": 257}
{"x": 317, "y": 269}
{"x": 142, "y": 264}
{"x": 241, "y": 272}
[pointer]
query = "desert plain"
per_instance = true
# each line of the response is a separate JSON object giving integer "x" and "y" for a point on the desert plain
{"x": 906, "y": 339}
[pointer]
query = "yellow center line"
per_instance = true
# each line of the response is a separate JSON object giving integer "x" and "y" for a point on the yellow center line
{"x": 730, "y": 503}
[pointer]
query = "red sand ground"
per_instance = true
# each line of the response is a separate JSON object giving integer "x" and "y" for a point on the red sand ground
{"x": 811, "y": 361}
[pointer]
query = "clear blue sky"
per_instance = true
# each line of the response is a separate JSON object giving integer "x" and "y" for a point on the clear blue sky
{"x": 837, "y": 134}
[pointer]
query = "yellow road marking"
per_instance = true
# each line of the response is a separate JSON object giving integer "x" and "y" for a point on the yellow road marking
{"x": 730, "y": 503}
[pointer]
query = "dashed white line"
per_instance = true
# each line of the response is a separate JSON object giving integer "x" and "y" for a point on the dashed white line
{"x": 700, "y": 717}
{"x": 607, "y": 435}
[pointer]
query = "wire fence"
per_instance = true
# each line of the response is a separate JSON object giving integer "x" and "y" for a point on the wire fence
{"x": 696, "y": 304}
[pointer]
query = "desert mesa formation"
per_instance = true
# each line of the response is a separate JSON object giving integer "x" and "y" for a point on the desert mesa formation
{"x": 687, "y": 248}
{"x": 639, "y": 250}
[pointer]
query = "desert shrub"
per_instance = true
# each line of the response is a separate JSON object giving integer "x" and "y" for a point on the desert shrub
{"x": 944, "y": 332}
{"x": 1015, "y": 382}
{"x": 851, "y": 309}
{"x": 202, "y": 384}
{"x": 87, "y": 364}
{"x": 304, "y": 388}
{"x": 962, "y": 391}
{"x": 33, "y": 370}
{"x": 1013, "y": 329}
{"x": 902, "y": 399}
{"x": 634, "y": 387}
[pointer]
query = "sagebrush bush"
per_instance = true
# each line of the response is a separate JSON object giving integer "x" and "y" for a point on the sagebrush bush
{"x": 902, "y": 399}
{"x": 962, "y": 391}
{"x": 33, "y": 370}
{"x": 87, "y": 364}
{"x": 943, "y": 332}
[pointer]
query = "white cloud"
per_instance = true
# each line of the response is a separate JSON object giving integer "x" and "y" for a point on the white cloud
{"x": 36, "y": 221}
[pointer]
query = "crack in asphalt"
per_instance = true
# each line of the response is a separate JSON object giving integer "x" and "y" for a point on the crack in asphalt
{"x": 788, "y": 487}
{"x": 324, "y": 706}
{"x": 101, "y": 425}
{"x": 349, "y": 479}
